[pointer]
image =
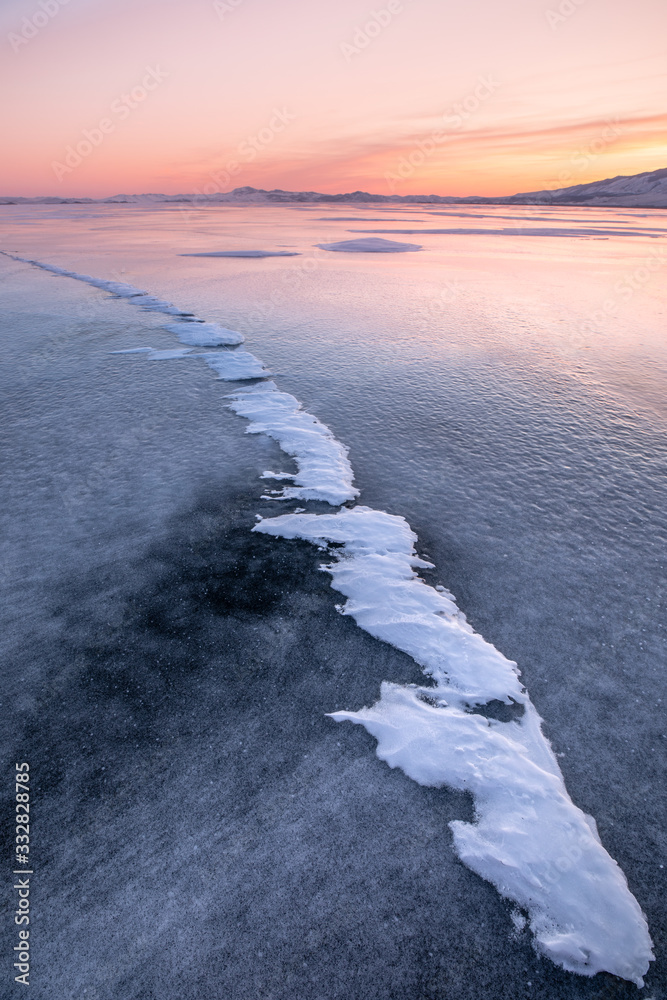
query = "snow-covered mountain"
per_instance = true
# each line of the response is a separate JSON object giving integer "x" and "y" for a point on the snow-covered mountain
{"x": 646, "y": 190}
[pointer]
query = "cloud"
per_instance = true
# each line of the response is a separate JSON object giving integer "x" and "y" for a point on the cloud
{"x": 503, "y": 150}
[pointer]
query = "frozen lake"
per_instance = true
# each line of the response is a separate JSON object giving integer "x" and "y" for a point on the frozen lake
{"x": 169, "y": 673}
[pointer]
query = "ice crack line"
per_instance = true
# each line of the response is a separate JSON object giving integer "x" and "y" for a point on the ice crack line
{"x": 528, "y": 839}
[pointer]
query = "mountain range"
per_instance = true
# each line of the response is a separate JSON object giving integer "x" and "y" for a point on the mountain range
{"x": 646, "y": 190}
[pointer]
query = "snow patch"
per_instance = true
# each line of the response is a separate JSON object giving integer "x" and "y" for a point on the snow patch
{"x": 234, "y": 365}
{"x": 370, "y": 245}
{"x": 528, "y": 839}
{"x": 153, "y": 355}
{"x": 200, "y": 334}
{"x": 324, "y": 472}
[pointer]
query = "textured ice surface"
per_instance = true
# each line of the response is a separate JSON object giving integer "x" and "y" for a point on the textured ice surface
{"x": 231, "y": 365}
{"x": 324, "y": 472}
{"x": 244, "y": 253}
{"x": 119, "y": 288}
{"x": 150, "y": 303}
{"x": 200, "y": 334}
{"x": 203, "y": 335}
{"x": 170, "y": 354}
{"x": 370, "y": 245}
{"x": 529, "y": 839}
{"x": 519, "y": 230}
{"x": 235, "y": 364}
{"x": 393, "y": 604}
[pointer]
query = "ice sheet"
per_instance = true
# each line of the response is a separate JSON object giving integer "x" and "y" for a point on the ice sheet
{"x": 244, "y": 253}
{"x": 519, "y": 230}
{"x": 529, "y": 839}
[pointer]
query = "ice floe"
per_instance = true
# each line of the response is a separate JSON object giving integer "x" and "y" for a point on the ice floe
{"x": 370, "y": 245}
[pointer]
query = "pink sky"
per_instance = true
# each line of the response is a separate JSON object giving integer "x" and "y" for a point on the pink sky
{"x": 409, "y": 96}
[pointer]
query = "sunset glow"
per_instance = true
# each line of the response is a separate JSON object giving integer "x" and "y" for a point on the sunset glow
{"x": 405, "y": 97}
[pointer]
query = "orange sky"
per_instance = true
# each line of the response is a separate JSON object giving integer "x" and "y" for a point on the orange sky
{"x": 402, "y": 96}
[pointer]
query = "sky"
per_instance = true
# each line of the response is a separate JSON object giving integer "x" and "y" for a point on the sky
{"x": 103, "y": 97}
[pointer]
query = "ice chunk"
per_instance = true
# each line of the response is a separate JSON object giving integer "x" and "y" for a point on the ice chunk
{"x": 370, "y": 245}
{"x": 150, "y": 303}
{"x": 388, "y": 599}
{"x": 134, "y": 350}
{"x": 528, "y": 838}
{"x": 200, "y": 334}
{"x": 324, "y": 472}
{"x": 235, "y": 364}
{"x": 118, "y": 288}
{"x": 170, "y": 354}
{"x": 153, "y": 355}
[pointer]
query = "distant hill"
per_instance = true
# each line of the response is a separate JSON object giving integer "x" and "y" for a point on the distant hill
{"x": 647, "y": 190}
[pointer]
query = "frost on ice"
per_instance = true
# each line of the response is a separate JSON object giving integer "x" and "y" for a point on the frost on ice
{"x": 324, "y": 472}
{"x": 235, "y": 365}
{"x": 528, "y": 839}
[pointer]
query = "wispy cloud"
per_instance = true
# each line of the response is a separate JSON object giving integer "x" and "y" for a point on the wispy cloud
{"x": 358, "y": 161}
